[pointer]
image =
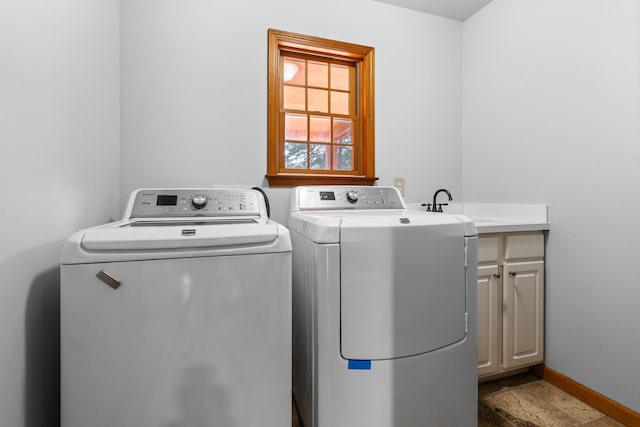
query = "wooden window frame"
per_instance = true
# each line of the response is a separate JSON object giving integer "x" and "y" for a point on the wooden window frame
{"x": 363, "y": 56}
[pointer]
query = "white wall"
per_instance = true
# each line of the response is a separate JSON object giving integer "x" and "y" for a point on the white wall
{"x": 194, "y": 90}
{"x": 551, "y": 107}
{"x": 58, "y": 172}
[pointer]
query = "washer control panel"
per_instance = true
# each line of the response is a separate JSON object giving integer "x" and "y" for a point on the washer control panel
{"x": 155, "y": 203}
{"x": 343, "y": 197}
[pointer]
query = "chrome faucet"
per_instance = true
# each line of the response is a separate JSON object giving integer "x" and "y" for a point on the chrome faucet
{"x": 440, "y": 205}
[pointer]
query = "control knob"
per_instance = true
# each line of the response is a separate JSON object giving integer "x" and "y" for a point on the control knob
{"x": 199, "y": 201}
{"x": 352, "y": 196}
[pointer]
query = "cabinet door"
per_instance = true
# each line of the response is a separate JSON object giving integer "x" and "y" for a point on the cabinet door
{"x": 523, "y": 314}
{"x": 489, "y": 302}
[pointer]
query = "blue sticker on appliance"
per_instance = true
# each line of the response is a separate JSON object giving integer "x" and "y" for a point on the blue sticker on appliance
{"x": 364, "y": 365}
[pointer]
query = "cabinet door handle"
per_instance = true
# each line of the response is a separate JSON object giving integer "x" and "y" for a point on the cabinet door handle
{"x": 497, "y": 275}
{"x": 512, "y": 273}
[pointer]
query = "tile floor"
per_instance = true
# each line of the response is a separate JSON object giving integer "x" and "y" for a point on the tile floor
{"x": 526, "y": 401}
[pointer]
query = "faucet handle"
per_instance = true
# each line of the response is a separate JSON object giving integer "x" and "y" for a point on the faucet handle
{"x": 428, "y": 205}
{"x": 440, "y": 205}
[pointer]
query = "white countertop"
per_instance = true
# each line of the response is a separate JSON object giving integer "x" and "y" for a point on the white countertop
{"x": 500, "y": 217}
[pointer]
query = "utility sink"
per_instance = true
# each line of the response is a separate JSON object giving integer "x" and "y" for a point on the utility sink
{"x": 499, "y": 217}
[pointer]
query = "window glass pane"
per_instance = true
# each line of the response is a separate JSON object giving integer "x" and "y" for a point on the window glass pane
{"x": 293, "y": 71}
{"x": 342, "y": 158}
{"x": 318, "y": 74}
{"x": 342, "y": 131}
{"x": 319, "y": 157}
{"x": 295, "y": 155}
{"x": 320, "y": 129}
{"x": 339, "y": 102}
{"x": 339, "y": 77}
{"x": 318, "y": 100}
{"x": 295, "y": 127}
{"x": 293, "y": 98}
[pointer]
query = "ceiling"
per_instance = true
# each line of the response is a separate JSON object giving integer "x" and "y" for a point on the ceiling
{"x": 459, "y": 10}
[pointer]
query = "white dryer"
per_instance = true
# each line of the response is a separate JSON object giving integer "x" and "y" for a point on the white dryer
{"x": 178, "y": 315}
{"x": 384, "y": 311}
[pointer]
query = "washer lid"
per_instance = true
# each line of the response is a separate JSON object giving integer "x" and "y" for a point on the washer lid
{"x": 163, "y": 235}
{"x": 403, "y": 286}
{"x": 129, "y": 240}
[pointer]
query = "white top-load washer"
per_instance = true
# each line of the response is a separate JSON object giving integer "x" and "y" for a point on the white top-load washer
{"x": 178, "y": 315}
{"x": 384, "y": 311}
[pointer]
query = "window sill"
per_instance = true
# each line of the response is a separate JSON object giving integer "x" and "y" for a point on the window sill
{"x": 292, "y": 180}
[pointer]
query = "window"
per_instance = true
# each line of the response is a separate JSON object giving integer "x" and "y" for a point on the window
{"x": 320, "y": 113}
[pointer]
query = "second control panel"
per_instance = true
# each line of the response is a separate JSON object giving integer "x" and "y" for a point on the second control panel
{"x": 339, "y": 197}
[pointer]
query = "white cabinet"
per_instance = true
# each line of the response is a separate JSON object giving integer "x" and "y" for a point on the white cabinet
{"x": 510, "y": 301}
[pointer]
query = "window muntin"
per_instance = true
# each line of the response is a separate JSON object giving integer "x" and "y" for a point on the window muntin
{"x": 318, "y": 107}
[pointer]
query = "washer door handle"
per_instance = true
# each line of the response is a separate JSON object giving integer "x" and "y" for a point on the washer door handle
{"x": 108, "y": 279}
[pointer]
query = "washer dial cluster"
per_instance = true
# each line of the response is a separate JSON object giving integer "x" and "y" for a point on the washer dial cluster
{"x": 352, "y": 196}
{"x": 343, "y": 197}
{"x": 199, "y": 201}
{"x": 150, "y": 203}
